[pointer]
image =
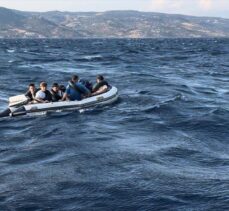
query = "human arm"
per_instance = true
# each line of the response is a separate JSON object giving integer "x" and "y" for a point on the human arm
{"x": 66, "y": 94}
{"x": 101, "y": 90}
{"x": 65, "y": 97}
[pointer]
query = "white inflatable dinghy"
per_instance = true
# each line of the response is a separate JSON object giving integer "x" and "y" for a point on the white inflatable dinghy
{"x": 17, "y": 108}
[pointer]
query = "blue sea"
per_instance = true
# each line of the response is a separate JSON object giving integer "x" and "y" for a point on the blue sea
{"x": 163, "y": 146}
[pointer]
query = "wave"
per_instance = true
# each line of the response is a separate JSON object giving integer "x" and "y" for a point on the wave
{"x": 92, "y": 57}
{"x": 169, "y": 130}
{"x": 165, "y": 102}
{"x": 10, "y": 50}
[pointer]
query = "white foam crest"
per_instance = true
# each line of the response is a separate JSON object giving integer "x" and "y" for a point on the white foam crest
{"x": 89, "y": 57}
{"x": 10, "y": 50}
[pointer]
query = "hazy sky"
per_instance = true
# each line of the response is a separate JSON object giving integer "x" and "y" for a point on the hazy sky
{"x": 218, "y": 8}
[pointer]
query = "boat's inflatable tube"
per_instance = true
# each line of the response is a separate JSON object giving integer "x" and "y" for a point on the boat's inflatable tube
{"x": 102, "y": 99}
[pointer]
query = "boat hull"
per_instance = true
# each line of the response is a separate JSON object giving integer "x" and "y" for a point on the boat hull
{"x": 103, "y": 99}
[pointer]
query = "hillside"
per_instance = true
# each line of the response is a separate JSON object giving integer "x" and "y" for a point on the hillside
{"x": 111, "y": 24}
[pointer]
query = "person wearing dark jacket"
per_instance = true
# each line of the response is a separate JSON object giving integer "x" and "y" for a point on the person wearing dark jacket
{"x": 56, "y": 93}
{"x": 101, "y": 86}
{"x": 31, "y": 93}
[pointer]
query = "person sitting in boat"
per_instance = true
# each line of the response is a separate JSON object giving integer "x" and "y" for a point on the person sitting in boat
{"x": 62, "y": 88}
{"x": 86, "y": 83}
{"x": 31, "y": 93}
{"x": 75, "y": 90}
{"x": 101, "y": 86}
{"x": 56, "y": 92}
{"x": 43, "y": 95}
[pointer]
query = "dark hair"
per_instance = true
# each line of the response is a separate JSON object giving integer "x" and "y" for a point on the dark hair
{"x": 44, "y": 84}
{"x": 62, "y": 88}
{"x": 75, "y": 77}
{"x": 55, "y": 85}
{"x": 32, "y": 84}
{"x": 100, "y": 77}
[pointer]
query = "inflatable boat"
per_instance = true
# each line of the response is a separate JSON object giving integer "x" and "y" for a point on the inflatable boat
{"x": 18, "y": 104}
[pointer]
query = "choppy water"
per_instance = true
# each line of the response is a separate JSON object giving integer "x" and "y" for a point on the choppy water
{"x": 163, "y": 146}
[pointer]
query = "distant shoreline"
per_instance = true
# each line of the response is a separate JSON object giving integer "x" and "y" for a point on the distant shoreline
{"x": 16, "y": 24}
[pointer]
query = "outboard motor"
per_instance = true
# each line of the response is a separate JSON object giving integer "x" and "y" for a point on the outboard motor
{"x": 13, "y": 112}
{"x": 18, "y": 111}
{"x": 5, "y": 113}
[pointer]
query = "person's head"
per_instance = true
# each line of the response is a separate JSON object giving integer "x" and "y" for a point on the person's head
{"x": 55, "y": 87}
{"x": 62, "y": 88}
{"x": 43, "y": 86}
{"x": 99, "y": 78}
{"x": 75, "y": 78}
{"x": 32, "y": 87}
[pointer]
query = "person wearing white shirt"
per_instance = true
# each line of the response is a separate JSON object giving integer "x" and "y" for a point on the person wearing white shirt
{"x": 43, "y": 95}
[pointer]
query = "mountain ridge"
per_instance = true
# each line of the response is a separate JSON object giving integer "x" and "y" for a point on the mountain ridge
{"x": 108, "y": 24}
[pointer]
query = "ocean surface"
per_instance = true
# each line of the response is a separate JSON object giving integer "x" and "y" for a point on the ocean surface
{"x": 163, "y": 146}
